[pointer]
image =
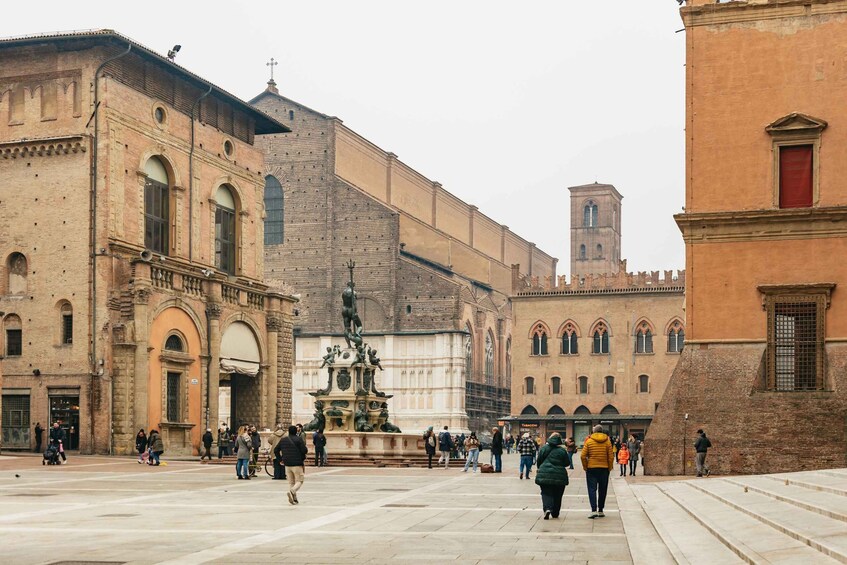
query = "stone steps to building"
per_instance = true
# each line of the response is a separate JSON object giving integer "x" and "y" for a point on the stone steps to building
{"x": 813, "y": 481}
{"x": 823, "y": 534}
{"x": 689, "y": 542}
{"x": 344, "y": 461}
{"x": 819, "y": 502}
{"x": 745, "y": 535}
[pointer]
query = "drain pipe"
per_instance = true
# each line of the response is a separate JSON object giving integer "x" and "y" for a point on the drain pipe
{"x": 96, "y": 369}
{"x": 191, "y": 181}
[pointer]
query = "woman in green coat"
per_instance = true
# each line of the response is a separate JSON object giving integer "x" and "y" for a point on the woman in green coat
{"x": 552, "y": 475}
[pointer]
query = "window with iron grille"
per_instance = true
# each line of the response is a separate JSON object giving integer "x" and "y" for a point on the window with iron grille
{"x": 796, "y": 336}
{"x": 67, "y": 328}
{"x": 173, "y": 343}
{"x": 14, "y": 343}
{"x": 173, "y": 397}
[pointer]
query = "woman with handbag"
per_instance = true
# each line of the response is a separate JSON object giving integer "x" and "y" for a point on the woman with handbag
{"x": 243, "y": 448}
{"x": 552, "y": 475}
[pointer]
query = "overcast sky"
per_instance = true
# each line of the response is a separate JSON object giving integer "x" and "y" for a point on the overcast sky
{"x": 505, "y": 103}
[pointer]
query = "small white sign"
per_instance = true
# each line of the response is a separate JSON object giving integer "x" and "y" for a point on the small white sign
{"x": 195, "y": 381}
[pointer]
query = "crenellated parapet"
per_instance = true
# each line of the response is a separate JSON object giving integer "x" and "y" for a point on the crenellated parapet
{"x": 593, "y": 283}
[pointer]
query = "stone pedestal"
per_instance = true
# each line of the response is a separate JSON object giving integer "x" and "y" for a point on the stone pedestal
{"x": 373, "y": 444}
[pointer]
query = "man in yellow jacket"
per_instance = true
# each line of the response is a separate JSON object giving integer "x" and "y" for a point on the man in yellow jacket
{"x": 598, "y": 459}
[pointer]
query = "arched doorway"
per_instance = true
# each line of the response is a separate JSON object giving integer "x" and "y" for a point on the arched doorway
{"x": 581, "y": 428}
{"x": 239, "y": 400}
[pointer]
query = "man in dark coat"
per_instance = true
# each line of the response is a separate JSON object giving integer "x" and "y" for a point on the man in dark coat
{"x": 701, "y": 446}
{"x": 207, "y": 444}
{"x": 497, "y": 449}
{"x": 57, "y": 438}
{"x": 445, "y": 445}
{"x": 292, "y": 450}
{"x": 39, "y": 433}
{"x": 256, "y": 444}
{"x": 319, "y": 439}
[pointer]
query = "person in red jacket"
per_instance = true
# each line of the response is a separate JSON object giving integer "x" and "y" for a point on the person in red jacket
{"x": 623, "y": 459}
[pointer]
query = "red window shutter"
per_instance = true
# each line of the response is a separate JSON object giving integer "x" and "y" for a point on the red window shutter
{"x": 795, "y": 176}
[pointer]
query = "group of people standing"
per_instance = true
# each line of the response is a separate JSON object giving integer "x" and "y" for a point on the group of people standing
{"x": 457, "y": 446}
{"x": 627, "y": 454}
{"x": 149, "y": 446}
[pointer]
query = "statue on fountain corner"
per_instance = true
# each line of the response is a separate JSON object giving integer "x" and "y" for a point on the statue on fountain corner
{"x": 319, "y": 421}
{"x": 362, "y": 424}
{"x": 331, "y": 353}
{"x": 373, "y": 359}
{"x": 387, "y": 426}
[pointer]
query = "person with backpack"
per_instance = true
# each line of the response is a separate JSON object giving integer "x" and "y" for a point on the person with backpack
{"x": 552, "y": 475}
{"x": 701, "y": 447}
{"x": 445, "y": 445}
{"x": 570, "y": 447}
{"x": 429, "y": 445}
{"x": 292, "y": 450}
{"x": 472, "y": 449}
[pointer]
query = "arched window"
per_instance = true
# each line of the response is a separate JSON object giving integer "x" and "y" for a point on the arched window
{"x": 489, "y": 359}
{"x": 556, "y": 410}
{"x": 599, "y": 251}
{"x": 66, "y": 313}
{"x": 14, "y": 336}
{"x": 569, "y": 340}
{"x": 600, "y": 345}
{"x": 643, "y": 383}
{"x": 582, "y": 255}
{"x": 556, "y": 385}
{"x": 16, "y": 273}
{"x": 539, "y": 340}
{"x": 274, "y": 211}
{"x": 676, "y": 337}
{"x": 583, "y": 385}
{"x": 156, "y": 206}
{"x": 225, "y": 244}
{"x": 609, "y": 409}
{"x": 529, "y": 409}
{"x": 590, "y": 215}
{"x": 643, "y": 338}
{"x": 609, "y": 385}
{"x": 174, "y": 343}
{"x": 582, "y": 410}
{"x": 529, "y": 383}
{"x": 468, "y": 354}
{"x": 594, "y": 216}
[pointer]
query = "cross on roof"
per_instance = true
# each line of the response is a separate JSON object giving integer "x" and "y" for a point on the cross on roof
{"x": 272, "y": 64}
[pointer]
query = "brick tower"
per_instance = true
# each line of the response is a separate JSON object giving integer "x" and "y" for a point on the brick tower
{"x": 595, "y": 229}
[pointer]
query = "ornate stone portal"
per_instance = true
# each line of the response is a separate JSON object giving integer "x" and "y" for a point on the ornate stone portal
{"x": 351, "y": 401}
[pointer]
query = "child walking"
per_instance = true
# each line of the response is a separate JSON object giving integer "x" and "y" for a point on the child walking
{"x": 623, "y": 458}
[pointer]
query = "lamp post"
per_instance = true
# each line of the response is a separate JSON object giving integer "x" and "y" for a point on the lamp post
{"x": 684, "y": 441}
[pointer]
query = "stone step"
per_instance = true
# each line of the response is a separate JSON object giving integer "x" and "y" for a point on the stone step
{"x": 819, "y": 502}
{"x": 813, "y": 481}
{"x": 686, "y": 538}
{"x": 747, "y": 537}
{"x": 827, "y": 536}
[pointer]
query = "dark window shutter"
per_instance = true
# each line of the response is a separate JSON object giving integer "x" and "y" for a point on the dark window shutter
{"x": 795, "y": 176}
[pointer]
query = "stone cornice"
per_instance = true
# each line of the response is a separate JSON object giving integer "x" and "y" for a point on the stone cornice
{"x": 763, "y": 225}
{"x": 45, "y": 146}
{"x": 748, "y": 12}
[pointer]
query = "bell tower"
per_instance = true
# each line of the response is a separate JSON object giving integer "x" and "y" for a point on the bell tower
{"x": 595, "y": 229}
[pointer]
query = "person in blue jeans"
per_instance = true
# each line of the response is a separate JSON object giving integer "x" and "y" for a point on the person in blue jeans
{"x": 243, "y": 448}
{"x": 527, "y": 448}
{"x": 497, "y": 449}
{"x": 472, "y": 448}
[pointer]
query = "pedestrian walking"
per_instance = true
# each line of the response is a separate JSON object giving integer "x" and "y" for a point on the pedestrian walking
{"x": 634, "y": 446}
{"x": 598, "y": 461}
{"x": 570, "y": 447}
{"x": 445, "y": 445}
{"x": 497, "y": 449}
{"x": 39, "y": 434}
{"x": 243, "y": 449}
{"x": 460, "y": 446}
{"x": 224, "y": 436}
{"x": 429, "y": 445}
{"x": 57, "y": 439}
{"x": 155, "y": 447}
{"x": 552, "y": 475}
{"x": 292, "y": 450}
{"x": 527, "y": 448}
{"x": 508, "y": 443}
{"x": 141, "y": 444}
{"x": 207, "y": 444}
{"x": 279, "y": 470}
{"x": 319, "y": 440}
{"x": 256, "y": 444}
{"x": 472, "y": 449}
{"x": 701, "y": 446}
{"x": 623, "y": 458}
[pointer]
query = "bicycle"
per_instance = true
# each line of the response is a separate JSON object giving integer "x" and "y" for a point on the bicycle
{"x": 267, "y": 463}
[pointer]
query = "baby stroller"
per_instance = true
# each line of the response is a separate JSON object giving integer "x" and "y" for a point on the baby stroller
{"x": 51, "y": 455}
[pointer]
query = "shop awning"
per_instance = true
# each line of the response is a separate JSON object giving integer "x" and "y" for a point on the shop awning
{"x": 240, "y": 351}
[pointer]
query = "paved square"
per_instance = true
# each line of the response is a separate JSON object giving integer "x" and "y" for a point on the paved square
{"x": 97, "y": 509}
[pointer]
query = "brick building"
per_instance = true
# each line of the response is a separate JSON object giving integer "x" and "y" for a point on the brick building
{"x": 433, "y": 273}
{"x": 131, "y": 249}
{"x": 764, "y": 368}
{"x": 600, "y": 348}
